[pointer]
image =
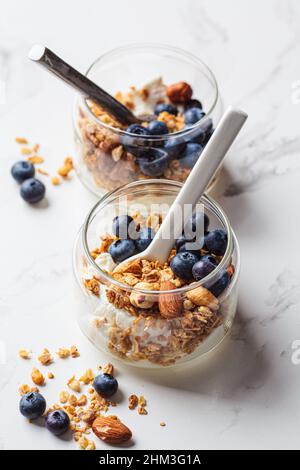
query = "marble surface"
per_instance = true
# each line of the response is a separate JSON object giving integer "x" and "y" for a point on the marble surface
{"x": 246, "y": 394}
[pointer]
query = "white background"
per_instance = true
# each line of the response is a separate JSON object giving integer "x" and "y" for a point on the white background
{"x": 246, "y": 395}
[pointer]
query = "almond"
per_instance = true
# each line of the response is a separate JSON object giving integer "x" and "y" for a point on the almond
{"x": 110, "y": 429}
{"x": 170, "y": 305}
{"x": 201, "y": 296}
{"x": 179, "y": 92}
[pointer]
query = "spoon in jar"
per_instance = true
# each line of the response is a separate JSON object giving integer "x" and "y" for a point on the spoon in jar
{"x": 54, "y": 64}
{"x": 195, "y": 185}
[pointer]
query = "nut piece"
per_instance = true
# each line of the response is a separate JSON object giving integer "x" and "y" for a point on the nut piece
{"x": 74, "y": 384}
{"x": 141, "y": 300}
{"x": 132, "y": 402}
{"x": 37, "y": 377}
{"x": 170, "y": 305}
{"x": 203, "y": 297}
{"x": 110, "y": 429}
{"x": 74, "y": 351}
{"x": 108, "y": 369}
{"x": 45, "y": 358}
{"x": 63, "y": 353}
{"x": 24, "y": 354}
{"x": 179, "y": 92}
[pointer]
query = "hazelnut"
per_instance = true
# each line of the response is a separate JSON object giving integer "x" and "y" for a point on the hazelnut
{"x": 140, "y": 300}
{"x": 179, "y": 92}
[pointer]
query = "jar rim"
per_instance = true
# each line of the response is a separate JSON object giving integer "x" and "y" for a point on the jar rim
{"x": 231, "y": 242}
{"x": 157, "y": 46}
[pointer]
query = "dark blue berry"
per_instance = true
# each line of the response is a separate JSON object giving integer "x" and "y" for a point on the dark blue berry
{"x": 193, "y": 115}
{"x": 153, "y": 162}
{"x": 32, "y": 190}
{"x": 198, "y": 136}
{"x": 208, "y": 136}
{"x": 210, "y": 259}
{"x": 146, "y": 235}
{"x": 192, "y": 103}
{"x": 157, "y": 128}
{"x": 182, "y": 265}
{"x": 57, "y": 422}
{"x": 187, "y": 247}
{"x": 200, "y": 222}
{"x": 191, "y": 154}
{"x": 174, "y": 148}
{"x": 169, "y": 108}
{"x": 137, "y": 129}
{"x": 182, "y": 240}
{"x": 218, "y": 287}
{"x": 207, "y": 126}
{"x": 32, "y": 405}
{"x": 22, "y": 170}
{"x": 122, "y": 226}
{"x": 216, "y": 242}
{"x": 202, "y": 269}
{"x": 121, "y": 250}
{"x": 106, "y": 385}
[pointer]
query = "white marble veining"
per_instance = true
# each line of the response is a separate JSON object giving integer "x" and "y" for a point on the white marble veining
{"x": 246, "y": 394}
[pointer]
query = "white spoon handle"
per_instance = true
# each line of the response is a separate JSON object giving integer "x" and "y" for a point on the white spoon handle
{"x": 195, "y": 185}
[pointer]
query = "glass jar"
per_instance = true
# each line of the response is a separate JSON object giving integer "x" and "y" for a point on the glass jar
{"x": 107, "y": 157}
{"x": 148, "y": 338}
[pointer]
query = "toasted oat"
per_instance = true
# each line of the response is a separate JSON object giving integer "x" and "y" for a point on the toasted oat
{"x": 26, "y": 150}
{"x": 87, "y": 377}
{"x": 74, "y": 351}
{"x": 37, "y": 377}
{"x": 74, "y": 384}
{"x": 93, "y": 286}
{"x": 35, "y": 159}
{"x": 24, "y": 354}
{"x": 142, "y": 410}
{"x": 108, "y": 369}
{"x": 82, "y": 400}
{"x": 45, "y": 358}
{"x": 63, "y": 396}
{"x": 55, "y": 180}
{"x": 63, "y": 353}
{"x": 132, "y": 402}
{"x": 66, "y": 168}
{"x": 73, "y": 400}
{"x": 83, "y": 442}
{"x": 21, "y": 140}
{"x": 50, "y": 375}
{"x": 142, "y": 401}
{"x": 162, "y": 423}
{"x": 42, "y": 172}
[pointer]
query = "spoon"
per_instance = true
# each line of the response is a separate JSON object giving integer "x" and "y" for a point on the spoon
{"x": 195, "y": 185}
{"x": 54, "y": 64}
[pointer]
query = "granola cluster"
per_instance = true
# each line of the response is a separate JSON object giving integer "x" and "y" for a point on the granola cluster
{"x": 149, "y": 320}
{"x": 114, "y": 159}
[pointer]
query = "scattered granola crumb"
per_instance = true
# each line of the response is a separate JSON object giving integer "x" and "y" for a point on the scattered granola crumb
{"x": 42, "y": 172}
{"x": 74, "y": 384}
{"x": 91, "y": 446}
{"x": 55, "y": 180}
{"x": 45, "y": 358}
{"x": 87, "y": 377}
{"x": 142, "y": 410}
{"x": 21, "y": 140}
{"x": 63, "y": 353}
{"x": 162, "y": 424}
{"x": 35, "y": 159}
{"x": 37, "y": 377}
{"x": 82, "y": 400}
{"x": 142, "y": 401}
{"x": 26, "y": 150}
{"x": 63, "y": 396}
{"x": 74, "y": 351}
{"x": 50, "y": 375}
{"x": 66, "y": 168}
{"x": 36, "y": 148}
{"x": 83, "y": 442}
{"x": 26, "y": 389}
{"x": 24, "y": 354}
{"x": 108, "y": 369}
{"x": 132, "y": 402}
{"x": 73, "y": 400}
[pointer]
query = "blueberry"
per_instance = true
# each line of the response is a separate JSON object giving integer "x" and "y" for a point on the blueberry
{"x": 121, "y": 250}
{"x": 190, "y": 155}
{"x": 186, "y": 248}
{"x": 218, "y": 287}
{"x": 169, "y": 108}
{"x": 175, "y": 148}
{"x": 32, "y": 405}
{"x": 32, "y": 190}
{"x": 22, "y": 170}
{"x": 200, "y": 222}
{"x": 57, "y": 422}
{"x": 146, "y": 235}
{"x": 153, "y": 162}
{"x": 208, "y": 135}
{"x": 210, "y": 259}
{"x": 202, "y": 268}
{"x": 122, "y": 226}
{"x": 182, "y": 265}
{"x": 157, "y": 128}
{"x": 106, "y": 385}
{"x": 192, "y": 103}
{"x": 182, "y": 240}
{"x": 137, "y": 129}
{"x": 198, "y": 136}
{"x": 193, "y": 115}
{"x": 207, "y": 126}
{"x": 216, "y": 242}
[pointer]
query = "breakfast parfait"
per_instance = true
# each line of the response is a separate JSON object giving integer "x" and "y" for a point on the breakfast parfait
{"x": 151, "y": 313}
{"x": 176, "y": 123}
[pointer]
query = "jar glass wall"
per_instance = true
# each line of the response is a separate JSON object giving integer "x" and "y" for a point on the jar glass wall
{"x": 107, "y": 312}
{"x": 107, "y": 156}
